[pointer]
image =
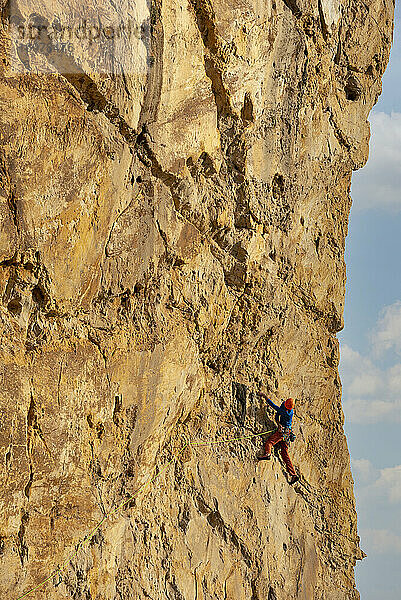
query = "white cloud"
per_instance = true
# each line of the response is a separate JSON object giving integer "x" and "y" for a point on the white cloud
{"x": 356, "y": 370}
{"x": 395, "y": 379}
{"x": 380, "y": 541}
{"x": 370, "y": 394}
{"x": 378, "y": 184}
{"x": 364, "y": 410}
{"x": 387, "y": 333}
{"x": 365, "y": 384}
{"x": 389, "y": 483}
{"x": 377, "y": 484}
{"x": 363, "y": 470}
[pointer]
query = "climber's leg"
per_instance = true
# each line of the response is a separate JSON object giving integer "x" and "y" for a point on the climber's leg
{"x": 271, "y": 441}
{"x": 286, "y": 458}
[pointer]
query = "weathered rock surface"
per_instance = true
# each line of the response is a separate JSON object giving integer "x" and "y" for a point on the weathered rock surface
{"x": 172, "y": 230}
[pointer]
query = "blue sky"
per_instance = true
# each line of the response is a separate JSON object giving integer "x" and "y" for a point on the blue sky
{"x": 370, "y": 365}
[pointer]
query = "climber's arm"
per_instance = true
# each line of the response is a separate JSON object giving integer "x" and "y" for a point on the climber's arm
{"x": 269, "y": 402}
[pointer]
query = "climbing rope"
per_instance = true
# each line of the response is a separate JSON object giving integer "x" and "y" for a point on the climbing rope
{"x": 85, "y": 541}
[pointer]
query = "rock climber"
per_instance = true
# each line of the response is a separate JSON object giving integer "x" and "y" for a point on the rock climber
{"x": 282, "y": 435}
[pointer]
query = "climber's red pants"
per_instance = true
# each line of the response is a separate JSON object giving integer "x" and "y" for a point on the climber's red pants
{"x": 277, "y": 438}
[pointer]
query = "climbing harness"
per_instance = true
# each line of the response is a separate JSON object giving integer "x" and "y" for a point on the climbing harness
{"x": 288, "y": 435}
{"x": 86, "y": 540}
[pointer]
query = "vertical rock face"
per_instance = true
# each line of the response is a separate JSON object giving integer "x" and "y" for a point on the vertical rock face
{"x": 173, "y": 217}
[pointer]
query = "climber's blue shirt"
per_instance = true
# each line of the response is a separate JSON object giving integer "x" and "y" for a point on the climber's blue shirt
{"x": 285, "y": 416}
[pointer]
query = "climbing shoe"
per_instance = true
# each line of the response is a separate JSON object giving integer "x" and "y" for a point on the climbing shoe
{"x": 264, "y": 457}
{"x": 293, "y": 479}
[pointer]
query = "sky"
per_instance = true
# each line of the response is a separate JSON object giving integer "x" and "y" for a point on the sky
{"x": 370, "y": 365}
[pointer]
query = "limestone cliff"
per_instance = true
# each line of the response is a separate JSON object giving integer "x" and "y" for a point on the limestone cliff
{"x": 174, "y": 205}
